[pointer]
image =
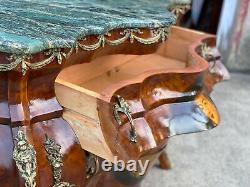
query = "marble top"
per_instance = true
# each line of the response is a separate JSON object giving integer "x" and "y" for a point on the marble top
{"x": 31, "y": 26}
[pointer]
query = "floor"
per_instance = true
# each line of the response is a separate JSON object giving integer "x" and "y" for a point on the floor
{"x": 216, "y": 158}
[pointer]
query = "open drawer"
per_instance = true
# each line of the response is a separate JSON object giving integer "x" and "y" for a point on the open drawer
{"x": 129, "y": 105}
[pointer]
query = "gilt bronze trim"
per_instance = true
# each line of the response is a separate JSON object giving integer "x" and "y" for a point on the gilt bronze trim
{"x": 159, "y": 34}
{"x": 24, "y": 60}
{"x": 55, "y": 159}
{"x": 25, "y": 157}
{"x": 127, "y": 34}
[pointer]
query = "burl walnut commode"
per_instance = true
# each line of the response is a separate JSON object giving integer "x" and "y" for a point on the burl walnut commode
{"x": 86, "y": 81}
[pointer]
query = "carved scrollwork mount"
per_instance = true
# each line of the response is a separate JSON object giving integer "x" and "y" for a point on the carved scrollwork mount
{"x": 55, "y": 159}
{"x": 25, "y": 157}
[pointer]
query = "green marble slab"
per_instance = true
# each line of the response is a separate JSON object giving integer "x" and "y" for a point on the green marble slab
{"x": 28, "y": 27}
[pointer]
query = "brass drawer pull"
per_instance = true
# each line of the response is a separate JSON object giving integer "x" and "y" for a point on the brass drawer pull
{"x": 123, "y": 107}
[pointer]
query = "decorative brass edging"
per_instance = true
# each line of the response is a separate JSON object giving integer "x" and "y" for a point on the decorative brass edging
{"x": 122, "y": 107}
{"x": 58, "y": 54}
{"x": 25, "y": 158}
{"x": 179, "y": 9}
{"x": 25, "y": 64}
{"x": 55, "y": 159}
{"x": 128, "y": 34}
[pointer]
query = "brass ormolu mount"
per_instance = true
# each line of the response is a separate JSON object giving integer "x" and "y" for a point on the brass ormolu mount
{"x": 55, "y": 159}
{"x": 24, "y": 155}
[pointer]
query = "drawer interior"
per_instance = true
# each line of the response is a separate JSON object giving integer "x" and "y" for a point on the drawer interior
{"x": 78, "y": 87}
{"x": 105, "y": 71}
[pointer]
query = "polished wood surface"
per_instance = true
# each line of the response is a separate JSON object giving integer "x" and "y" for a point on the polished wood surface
{"x": 157, "y": 87}
{"x": 29, "y": 101}
{"x": 8, "y": 172}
